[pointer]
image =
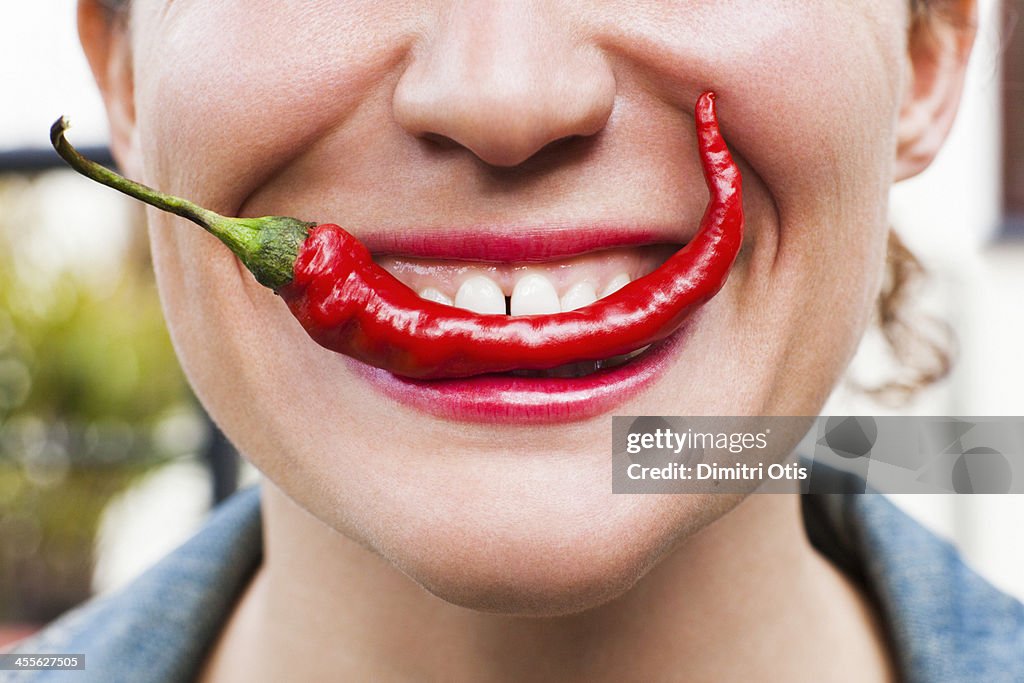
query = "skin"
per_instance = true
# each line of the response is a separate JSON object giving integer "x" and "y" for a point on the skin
{"x": 442, "y": 115}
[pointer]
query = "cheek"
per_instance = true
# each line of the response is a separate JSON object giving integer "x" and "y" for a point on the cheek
{"x": 212, "y": 308}
{"x": 818, "y": 130}
{"x": 809, "y": 96}
{"x": 219, "y": 113}
{"x": 235, "y": 90}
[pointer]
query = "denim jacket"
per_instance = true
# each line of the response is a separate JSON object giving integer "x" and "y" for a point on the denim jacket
{"x": 945, "y": 624}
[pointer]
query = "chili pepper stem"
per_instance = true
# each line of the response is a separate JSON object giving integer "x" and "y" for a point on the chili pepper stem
{"x": 268, "y": 246}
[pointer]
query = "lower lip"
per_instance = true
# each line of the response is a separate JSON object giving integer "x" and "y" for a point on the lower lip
{"x": 502, "y": 399}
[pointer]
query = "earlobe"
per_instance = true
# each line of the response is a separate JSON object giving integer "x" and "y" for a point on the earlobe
{"x": 939, "y": 47}
{"x": 107, "y": 45}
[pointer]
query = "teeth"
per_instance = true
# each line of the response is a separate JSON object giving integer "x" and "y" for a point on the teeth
{"x": 579, "y": 295}
{"x": 534, "y": 295}
{"x": 437, "y": 295}
{"x": 616, "y": 283}
{"x": 481, "y": 294}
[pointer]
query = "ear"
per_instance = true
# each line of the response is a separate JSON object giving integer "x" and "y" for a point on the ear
{"x": 106, "y": 42}
{"x": 939, "y": 46}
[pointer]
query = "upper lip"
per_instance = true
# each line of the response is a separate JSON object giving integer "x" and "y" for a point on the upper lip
{"x": 515, "y": 243}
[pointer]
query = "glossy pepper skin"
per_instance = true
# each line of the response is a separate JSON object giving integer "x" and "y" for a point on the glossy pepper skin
{"x": 350, "y": 305}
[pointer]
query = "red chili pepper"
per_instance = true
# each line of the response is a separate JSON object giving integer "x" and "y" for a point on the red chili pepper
{"x": 349, "y": 304}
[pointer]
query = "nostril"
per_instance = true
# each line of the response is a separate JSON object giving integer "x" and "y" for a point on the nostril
{"x": 439, "y": 141}
{"x": 563, "y": 144}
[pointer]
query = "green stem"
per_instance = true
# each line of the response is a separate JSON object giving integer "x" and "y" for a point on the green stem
{"x": 213, "y": 222}
{"x": 268, "y": 246}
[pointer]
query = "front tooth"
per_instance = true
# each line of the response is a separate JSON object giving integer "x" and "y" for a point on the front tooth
{"x": 534, "y": 295}
{"x": 432, "y": 294}
{"x": 579, "y": 295}
{"x": 480, "y": 294}
{"x": 617, "y": 283}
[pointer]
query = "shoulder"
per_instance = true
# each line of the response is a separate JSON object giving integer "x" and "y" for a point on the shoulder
{"x": 157, "y": 627}
{"x": 944, "y": 620}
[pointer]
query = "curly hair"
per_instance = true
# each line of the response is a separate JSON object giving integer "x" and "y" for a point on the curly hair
{"x": 922, "y": 344}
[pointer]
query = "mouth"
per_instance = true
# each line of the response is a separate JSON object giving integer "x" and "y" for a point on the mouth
{"x": 515, "y": 273}
{"x": 531, "y": 285}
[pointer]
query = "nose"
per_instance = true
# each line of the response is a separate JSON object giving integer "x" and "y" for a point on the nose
{"x": 504, "y": 78}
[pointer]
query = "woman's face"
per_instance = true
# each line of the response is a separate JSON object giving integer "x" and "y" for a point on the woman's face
{"x": 429, "y": 126}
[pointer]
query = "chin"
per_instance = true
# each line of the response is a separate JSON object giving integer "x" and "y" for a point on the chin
{"x": 546, "y": 562}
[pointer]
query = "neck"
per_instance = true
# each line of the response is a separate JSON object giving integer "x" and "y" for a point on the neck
{"x": 746, "y": 598}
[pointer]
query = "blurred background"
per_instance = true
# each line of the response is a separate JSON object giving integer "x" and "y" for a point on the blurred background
{"x": 107, "y": 462}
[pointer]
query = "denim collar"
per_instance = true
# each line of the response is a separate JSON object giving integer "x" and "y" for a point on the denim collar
{"x": 945, "y": 623}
